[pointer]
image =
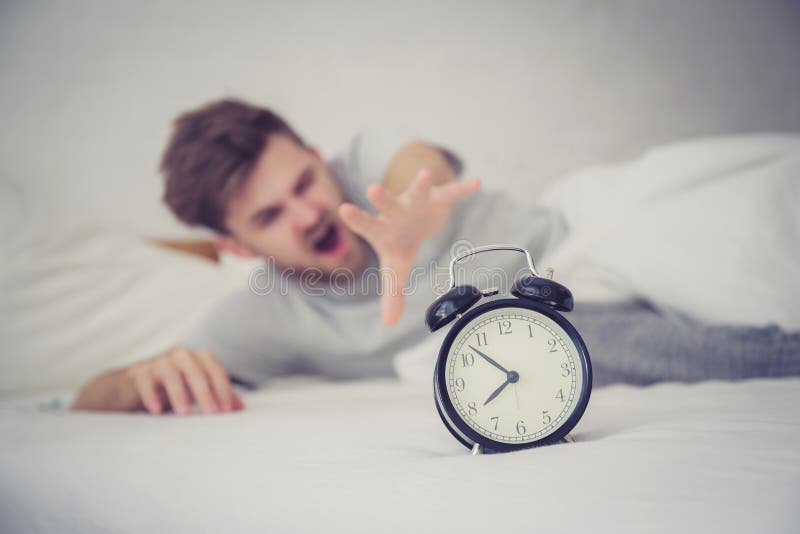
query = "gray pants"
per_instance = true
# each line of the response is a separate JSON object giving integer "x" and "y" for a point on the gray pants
{"x": 636, "y": 344}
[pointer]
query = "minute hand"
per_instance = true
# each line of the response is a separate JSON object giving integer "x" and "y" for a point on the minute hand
{"x": 490, "y": 360}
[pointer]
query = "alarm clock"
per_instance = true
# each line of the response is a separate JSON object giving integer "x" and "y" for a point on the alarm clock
{"x": 512, "y": 372}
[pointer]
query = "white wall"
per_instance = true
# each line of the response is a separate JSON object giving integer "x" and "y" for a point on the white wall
{"x": 524, "y": 90}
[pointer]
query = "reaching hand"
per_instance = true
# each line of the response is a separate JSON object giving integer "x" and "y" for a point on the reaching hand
{"x": 402, "y": 224}
{"x": 172, "y": 380}
{"x": 179, "y": 376}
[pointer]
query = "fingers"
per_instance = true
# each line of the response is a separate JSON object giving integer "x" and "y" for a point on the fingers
{"x": 383, "y": 201}
{"x": 454, "y": 191}
{"x": 388, "y": 205}
{"x": 179, "y": 377}
{"x": 147, "y": 389}
{"x": 220, "y": 382}
{"x": 359, "y": 221}
{"x": 237, "y": 402}
{"x": 172, "y": 382}
{"x": 196, "y": 379}
{"x": 421, "y": 186}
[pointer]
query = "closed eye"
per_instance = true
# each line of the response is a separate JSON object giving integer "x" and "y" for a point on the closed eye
{"x": 304, "y": 182}
{"x": 267, "y": 216}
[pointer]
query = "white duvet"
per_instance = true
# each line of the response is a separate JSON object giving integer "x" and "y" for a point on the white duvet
{"x": 709, "y": 228}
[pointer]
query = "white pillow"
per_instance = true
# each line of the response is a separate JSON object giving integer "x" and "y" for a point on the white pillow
{"x": 80, "y": 301}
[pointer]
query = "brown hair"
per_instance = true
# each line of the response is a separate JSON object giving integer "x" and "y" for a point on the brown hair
{"x": 211, "y": 151}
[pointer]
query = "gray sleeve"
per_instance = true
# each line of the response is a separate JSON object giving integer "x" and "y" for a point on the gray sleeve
{"x": 247, "y": 335}
{"x": 636, "y": 344}
{"x": 367, "y": 157}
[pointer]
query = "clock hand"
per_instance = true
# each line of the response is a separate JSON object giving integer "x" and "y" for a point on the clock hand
{"x": 497, "y": 392}
{"x": 512, "y": 377}
{"x": 488, "y": 359}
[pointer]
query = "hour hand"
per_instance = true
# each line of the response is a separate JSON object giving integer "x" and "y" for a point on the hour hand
{"x": 488, "y": 359}
{"x": 497, "y": 392}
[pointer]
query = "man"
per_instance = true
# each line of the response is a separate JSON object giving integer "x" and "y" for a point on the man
{"x": 243, "y": 172}
{"x": 388, "y": 205}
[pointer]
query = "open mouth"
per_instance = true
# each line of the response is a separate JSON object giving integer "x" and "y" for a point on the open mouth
{"x": 328, "y": 241}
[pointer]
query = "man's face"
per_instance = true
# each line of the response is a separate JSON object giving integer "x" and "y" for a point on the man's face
{"x": 287, "y": 209}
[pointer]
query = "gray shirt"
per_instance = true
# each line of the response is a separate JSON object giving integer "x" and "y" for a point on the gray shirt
{"x": 280, "y": 326}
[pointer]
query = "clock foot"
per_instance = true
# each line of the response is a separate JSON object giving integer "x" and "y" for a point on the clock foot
{"x": 568, "y": 439}
{"x": 477, "y": 449}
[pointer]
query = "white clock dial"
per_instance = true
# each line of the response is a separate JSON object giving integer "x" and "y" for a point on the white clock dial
{"x": 514, "y": 375}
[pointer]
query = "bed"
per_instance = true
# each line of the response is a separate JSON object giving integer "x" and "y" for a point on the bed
{"x": 373, "y": 457}
{"x": 311, "y": 456}
{"x": 524, "y": 93}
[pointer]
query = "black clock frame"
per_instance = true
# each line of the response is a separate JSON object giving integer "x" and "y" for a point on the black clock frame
{"x": 449, "y": 415}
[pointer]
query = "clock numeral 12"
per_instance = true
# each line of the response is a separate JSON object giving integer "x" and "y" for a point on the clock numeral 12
{"x": 504, "y": 327}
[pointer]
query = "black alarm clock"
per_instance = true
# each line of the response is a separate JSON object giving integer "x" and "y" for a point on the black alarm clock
{"x": 512, "y": 373}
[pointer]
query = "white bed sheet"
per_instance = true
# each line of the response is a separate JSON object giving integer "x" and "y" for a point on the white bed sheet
{"x": 373, "y": 457}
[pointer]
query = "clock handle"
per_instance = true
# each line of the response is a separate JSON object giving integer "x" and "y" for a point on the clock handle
{"x": 488, "y": 248}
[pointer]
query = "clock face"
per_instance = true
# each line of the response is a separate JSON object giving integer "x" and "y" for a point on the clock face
{"x": 514, "y": 375}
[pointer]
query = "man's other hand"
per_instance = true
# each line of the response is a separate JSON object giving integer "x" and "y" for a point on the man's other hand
{"x": 170, "y": 381}
{"x": 403, "y": 222}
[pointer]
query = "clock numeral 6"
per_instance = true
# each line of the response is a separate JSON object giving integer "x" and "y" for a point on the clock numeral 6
{"x": 472, "y": 409}
{"x": 521, "y": 428}
{"x": 467, "y": 360}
